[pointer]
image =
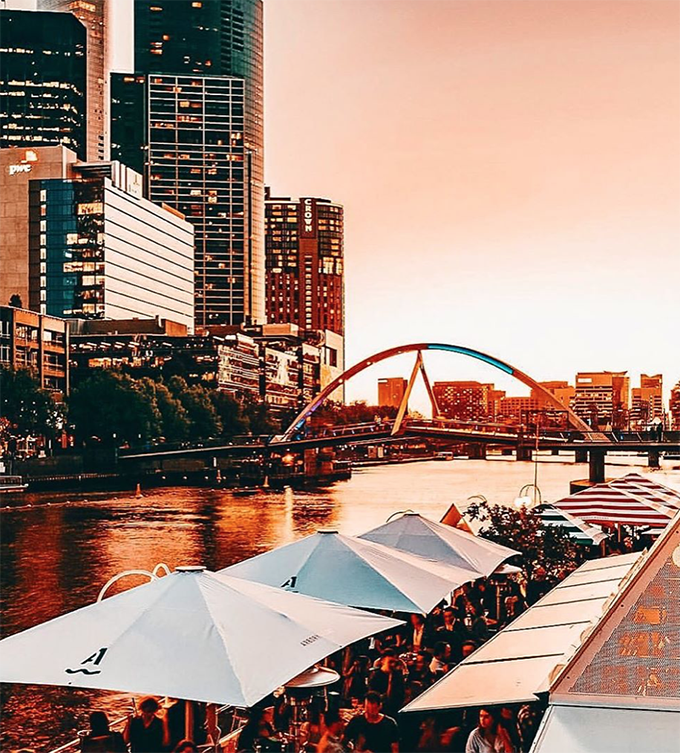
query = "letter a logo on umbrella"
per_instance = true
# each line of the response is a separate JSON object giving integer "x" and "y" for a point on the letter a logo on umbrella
{"x": 94, "y": 659}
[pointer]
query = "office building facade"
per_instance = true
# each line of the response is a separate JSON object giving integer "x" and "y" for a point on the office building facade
{"x": 674, "y": 407}
{"x": 36, "y": 342}
{"x": 97, "y": 16}
{"x": 98, "y": 249}
{"x": 463, "y": 401}
{"x": 304, "y": 255}
{"x": 80, "y": 240}
{"x": 646, "y": 402}
{"x": 43, "y": 80}
{"x": 191, "y": 120}
{"x": 602, "y": 398}
{"x": 195, "y": 160}
{"x": 391, "y": 391}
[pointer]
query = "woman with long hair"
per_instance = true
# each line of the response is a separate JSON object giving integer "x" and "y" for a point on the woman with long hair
{"x": 489, "y": 736}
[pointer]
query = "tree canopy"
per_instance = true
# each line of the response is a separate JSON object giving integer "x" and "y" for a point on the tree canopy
{"x": 25, "y": 407}
{"x": 522, "y": 529}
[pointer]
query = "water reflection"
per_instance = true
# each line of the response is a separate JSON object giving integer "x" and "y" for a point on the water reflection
{"x": 56, "y": 557}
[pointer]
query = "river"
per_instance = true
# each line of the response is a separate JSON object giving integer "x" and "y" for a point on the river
{"x": 58, "y": 550}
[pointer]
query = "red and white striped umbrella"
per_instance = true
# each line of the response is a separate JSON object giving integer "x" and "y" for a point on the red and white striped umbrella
{"x": 610, "y": 505}
{"x": 648, "y": 489}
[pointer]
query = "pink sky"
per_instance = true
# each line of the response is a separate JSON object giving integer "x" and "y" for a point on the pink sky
{"x": 510, "y": 173}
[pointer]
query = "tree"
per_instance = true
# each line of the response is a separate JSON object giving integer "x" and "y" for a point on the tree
{"x": 15, "y": 300}
{"x": 357, "y": 412}
{"x": 550, "y": 547}
{"x": 203, "y": 419}
{"x": 231, "y": 413}
{"x": 114, "y": 408}
{"x": 173, "y": 417}
{"x": 260, "y": 418}
{"x": 27, "y": 409}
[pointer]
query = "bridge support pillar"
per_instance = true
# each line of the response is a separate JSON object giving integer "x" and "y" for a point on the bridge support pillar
{"x": 476, "y": 451}
{"x": 524, "y": 452}
{"x": 581, "y": 456}
{"x": 597, "y": 459}
{"x": 654, "y": 459}
{"x": 555, "y": 452}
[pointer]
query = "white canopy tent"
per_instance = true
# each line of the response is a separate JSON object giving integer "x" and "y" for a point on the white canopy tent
{"x": 416, "y": 534}
{"x": 192, "y": 634}
{"x": 351, "y": 571}
{"x": 575, "y": 729}
{"x": 518, "y": 663}
{"x": 620, "y": 692}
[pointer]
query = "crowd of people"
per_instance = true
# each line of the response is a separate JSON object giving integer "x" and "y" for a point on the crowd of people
{"x": 377, "y": 678}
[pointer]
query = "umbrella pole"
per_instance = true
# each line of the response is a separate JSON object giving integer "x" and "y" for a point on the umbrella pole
{"x": 189, "y": 720}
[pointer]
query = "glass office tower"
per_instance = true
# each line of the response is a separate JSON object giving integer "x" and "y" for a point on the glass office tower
{"x": 93, "y": 15}
{"x": 42, "y": 80}
{"x": 197, "y": 90}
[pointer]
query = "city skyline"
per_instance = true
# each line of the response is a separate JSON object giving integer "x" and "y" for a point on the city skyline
{"x": 472, "y": 159}
{"x": 456, "y": 182}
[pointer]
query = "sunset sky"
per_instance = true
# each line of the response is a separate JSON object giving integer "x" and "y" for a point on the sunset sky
{"x": 510, "y": 173}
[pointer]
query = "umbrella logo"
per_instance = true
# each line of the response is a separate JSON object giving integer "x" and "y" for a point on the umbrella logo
{"x": 95, "y": 659}
{"x": 290, "y": 583}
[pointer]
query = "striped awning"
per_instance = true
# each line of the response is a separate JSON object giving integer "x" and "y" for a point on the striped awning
{"x": 648, "y": 489}
{"x": 611, "y": 505}
{"x": 579, "y": 530}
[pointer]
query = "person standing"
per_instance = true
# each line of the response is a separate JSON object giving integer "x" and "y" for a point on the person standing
{"x": 147, "y": 733}
{"x": 372, "y": 731}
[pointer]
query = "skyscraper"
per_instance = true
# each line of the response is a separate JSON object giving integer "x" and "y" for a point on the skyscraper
{"x": 42, "y": 80}
{"x": 92, "y": 14}
{"x": 304, "y": 253}
{"x": 190, "y": 120}
{"x": 602, "y": 398}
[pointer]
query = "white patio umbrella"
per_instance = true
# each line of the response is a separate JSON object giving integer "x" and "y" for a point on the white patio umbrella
{"x": 351, "y": 571}
{"x": 418, "y": 535}
{"x": 193, "y": 634}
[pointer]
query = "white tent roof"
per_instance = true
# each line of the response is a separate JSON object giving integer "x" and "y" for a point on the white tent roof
{"x": 579, "y": 729}
{"x": 520, "y": 661}
{"x": 192, "y": 634}
{"x": 418, "y": 535}
{"x": 351, "y": 571}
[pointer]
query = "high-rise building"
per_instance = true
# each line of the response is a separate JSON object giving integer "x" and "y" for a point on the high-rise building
{"x": 304, "y": 244}
{"x": 191, "y": 120}
{"x": 646, "y": 401}
{"x": 463, "y": 401}
{"x": 88, "y": 243}
{"x": 196, "y": 161}
{"x": 43, "y": 93}
{"x": 674, "y": 407}
{"x": 602, "y": 398}
{"x": 92, "y": 14}
{"x": 391, "y": 391}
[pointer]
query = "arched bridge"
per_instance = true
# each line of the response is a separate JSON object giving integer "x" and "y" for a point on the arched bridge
{"x": 419, "y": 367}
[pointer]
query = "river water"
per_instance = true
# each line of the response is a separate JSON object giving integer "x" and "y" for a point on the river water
{"x": 58, "y": 550}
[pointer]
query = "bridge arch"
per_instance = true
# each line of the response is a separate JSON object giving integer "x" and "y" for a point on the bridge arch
{"x": 304, "y": 414}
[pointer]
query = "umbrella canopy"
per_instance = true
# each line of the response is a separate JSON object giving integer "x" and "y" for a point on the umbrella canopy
{"x": 578, "y": 529}
{"x": 352, "y": 571}
{"x": 609, "y": 505}
{"x": 648, "y": 489}
{"x": 192, "y": 634}
{"x": 418, "y": 535}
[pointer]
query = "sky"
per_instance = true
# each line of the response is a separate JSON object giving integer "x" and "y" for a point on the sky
{"x": 510, "y": 173}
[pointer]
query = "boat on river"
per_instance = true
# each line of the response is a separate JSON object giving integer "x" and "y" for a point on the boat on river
{"x": 11, "y": 486}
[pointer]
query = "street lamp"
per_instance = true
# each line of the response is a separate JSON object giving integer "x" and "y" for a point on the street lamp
{"x": 523, "y": 500}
